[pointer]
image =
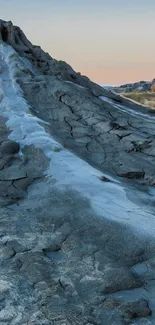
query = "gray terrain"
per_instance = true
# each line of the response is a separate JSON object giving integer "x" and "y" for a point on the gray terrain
{"x": 77, "y": 199}
{"x": 141, "y": 86}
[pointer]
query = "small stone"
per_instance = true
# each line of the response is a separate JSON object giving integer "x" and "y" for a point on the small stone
{"x": 56, "y": 149}
{"x": 41, "y": 286}
{"x": 104, "y": 179}
{"x": 4, "y": 286}
{"x": 118, "y": 279}
{"x": 135, "y": 309}
{"x": 6, "y": 253}
{"x": 132, "y": 174}
{"x": 7, "y": 314}
{"x": 9, "y": 147}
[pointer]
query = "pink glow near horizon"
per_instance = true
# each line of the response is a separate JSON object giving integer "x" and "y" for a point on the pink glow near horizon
{"x": 109, "y": 41}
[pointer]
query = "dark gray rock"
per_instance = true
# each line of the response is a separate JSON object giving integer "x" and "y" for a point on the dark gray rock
{"x": 119, "y": 279}
{"x": 9, "y": 147}
{"x": 135, "y": 309}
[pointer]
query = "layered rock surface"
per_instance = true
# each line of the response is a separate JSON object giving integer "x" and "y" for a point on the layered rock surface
{"x": 112, "y": 139}
{"x": 136, "y": 86}
{"x": 77, "y": 246}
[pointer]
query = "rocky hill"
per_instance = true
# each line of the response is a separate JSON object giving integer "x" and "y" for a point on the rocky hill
{"x": 137, "y": 86}
{"x": 77, "y": 239}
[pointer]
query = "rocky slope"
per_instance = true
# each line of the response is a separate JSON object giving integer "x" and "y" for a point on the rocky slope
{"x": 77, "y": 246}
{"x": 137, "y": 86}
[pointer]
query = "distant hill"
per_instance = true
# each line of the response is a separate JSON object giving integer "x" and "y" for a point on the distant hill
{"x": 107, "y": 87}
{"x": 137, "y": 86}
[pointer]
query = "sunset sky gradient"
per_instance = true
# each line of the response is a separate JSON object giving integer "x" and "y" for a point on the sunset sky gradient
{"x": 111, "y": 41}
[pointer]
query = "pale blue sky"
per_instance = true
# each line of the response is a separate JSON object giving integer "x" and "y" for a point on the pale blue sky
{"x": 111, "y": 41}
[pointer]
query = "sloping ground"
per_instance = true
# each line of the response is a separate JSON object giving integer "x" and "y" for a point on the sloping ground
{"x": 112, "y": 140}
{"x": 77, "y": 246}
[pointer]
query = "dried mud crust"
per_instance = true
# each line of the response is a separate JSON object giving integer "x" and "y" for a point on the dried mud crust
{"x": 60, "y": 262}
{"x": 112, "y": 140}
{"x": 17, "y": 170}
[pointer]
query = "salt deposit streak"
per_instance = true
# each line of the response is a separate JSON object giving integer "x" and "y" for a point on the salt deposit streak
{"x": 129, "y": 111}
{"x": 107, "y": 199}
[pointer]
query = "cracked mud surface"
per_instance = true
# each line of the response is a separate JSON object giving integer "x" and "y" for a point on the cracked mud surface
{"x": 66, "y": 266}
{"x": 16, "y": 169}
{"x": 110, "y": 139}
{"x": 76, "y": 246}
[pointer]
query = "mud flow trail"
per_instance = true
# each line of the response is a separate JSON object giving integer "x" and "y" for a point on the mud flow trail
{"x": 77, "y": 218}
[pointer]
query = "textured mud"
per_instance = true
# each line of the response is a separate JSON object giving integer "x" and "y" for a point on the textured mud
{"x": 63, "y": 264}
{"x": 112, "y": 140}
{"x": 76, "y": 246}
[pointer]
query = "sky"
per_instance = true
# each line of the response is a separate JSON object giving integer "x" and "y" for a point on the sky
{"x": 110, "y": 41}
